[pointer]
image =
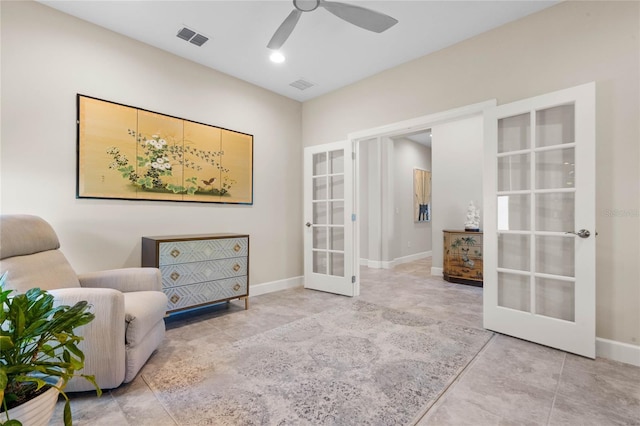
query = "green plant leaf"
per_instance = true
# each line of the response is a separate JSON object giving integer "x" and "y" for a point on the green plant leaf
{"x": 5, "y": 344}
{"x": 3, "y": 379}
{"x": 68, "y": 421}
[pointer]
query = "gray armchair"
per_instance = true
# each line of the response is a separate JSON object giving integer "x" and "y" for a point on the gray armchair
{"x": 128, "y": 304}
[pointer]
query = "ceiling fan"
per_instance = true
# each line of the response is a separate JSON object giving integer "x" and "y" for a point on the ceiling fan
{"x": 356, "y": 15}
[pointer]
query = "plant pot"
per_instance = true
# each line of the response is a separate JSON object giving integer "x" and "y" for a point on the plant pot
{"x": 37, "y": 411}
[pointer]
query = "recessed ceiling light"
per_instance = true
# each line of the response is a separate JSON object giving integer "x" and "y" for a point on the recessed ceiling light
{"x": 277, "y": 57}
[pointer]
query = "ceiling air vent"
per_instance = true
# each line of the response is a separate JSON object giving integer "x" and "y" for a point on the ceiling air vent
{"x": 192, "y": 37}
{"x": 301, "y": 84}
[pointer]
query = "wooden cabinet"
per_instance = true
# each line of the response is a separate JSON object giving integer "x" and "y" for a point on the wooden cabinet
{"x": 200, "y": 270}
{"x": 462, "y": 261}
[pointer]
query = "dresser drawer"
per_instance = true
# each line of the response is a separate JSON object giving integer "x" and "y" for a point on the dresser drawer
{"x": 197, "y": 272}
{"x": 205, "y": 293}
{"x": 173, "y": 252}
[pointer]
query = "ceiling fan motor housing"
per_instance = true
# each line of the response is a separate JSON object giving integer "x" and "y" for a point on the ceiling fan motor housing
{"x": 306, "y": 5}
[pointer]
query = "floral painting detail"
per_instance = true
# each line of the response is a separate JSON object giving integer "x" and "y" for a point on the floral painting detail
{"x": 125, "y": 152}
{"x": 158, "y": 158}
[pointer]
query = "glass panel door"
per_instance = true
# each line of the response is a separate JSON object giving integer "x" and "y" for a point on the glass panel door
{"x": 328, "y": 200}
{"x": 328, "y": 213}
{"x": 540, "y": 216}
{"x": 536, "y": 206}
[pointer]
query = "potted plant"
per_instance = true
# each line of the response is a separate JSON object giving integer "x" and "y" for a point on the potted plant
{"x": 38, "y": 351}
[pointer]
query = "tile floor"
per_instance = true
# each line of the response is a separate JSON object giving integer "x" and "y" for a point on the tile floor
{"x": 510, "y": 382}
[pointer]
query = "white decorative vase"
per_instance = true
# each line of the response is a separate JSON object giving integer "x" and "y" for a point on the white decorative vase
{"x": 37, "y": 411}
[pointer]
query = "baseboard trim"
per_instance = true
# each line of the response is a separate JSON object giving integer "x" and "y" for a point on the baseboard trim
{"x": 436, "y": 271}
{"x": 389, "y": 264}
{"x": 272, "y": 286}
{"x": 618, "y": 351}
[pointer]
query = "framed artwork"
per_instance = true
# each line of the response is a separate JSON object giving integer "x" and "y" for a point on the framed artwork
{"x": 421, "y": 195}
{"x": 130, "y": 153}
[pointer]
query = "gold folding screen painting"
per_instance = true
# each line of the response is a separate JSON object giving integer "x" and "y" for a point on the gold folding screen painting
{"x": 130, "y": 153}
{"x": 421, "y": 195}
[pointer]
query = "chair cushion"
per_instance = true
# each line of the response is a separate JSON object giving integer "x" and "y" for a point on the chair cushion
{"x": 48, "y": 270}
{"x": 142, "y": 311}
{"x": 21, "y": 235}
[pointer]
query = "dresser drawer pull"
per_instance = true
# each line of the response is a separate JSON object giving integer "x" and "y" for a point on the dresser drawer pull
{"x": 175, "y": 253}
{"x": 174, "y": 275}
{"x": 236, "y": 287}
{"x": 174, "y": 299}
{"x": 236, "y": 267}
{"x": 237, "y": 247}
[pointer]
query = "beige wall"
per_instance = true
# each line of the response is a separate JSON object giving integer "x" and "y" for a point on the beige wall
{"x": 563, "y": 46}
{"x": 457, "y": 176}
{"x": 48, "y": 57}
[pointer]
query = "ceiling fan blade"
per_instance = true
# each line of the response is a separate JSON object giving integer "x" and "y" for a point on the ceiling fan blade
{"x": 360, "y": 16}
{"x": 284, "y": 30}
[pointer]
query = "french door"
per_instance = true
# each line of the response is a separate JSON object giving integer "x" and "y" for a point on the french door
{"x": 539, "y": 228}
{"x": 328, "y": 206}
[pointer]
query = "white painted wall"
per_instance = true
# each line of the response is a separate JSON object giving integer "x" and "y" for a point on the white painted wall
{"x": 457, "y": 176}
{"x": 48, "y": 57}
{"x": 563, "y": 46}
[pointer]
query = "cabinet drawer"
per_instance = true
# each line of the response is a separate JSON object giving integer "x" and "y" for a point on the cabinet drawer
{"x": 198, "y": 272}
{"x": 173, "y": 252}
{"x": 204, "y": 293}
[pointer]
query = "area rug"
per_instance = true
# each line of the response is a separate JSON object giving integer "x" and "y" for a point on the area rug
{"x": 360, "y": 364}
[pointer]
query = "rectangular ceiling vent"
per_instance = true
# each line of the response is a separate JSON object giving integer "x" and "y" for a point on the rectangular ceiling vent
{"x": 192, "y": 37}
{"x": 301, "y": 84}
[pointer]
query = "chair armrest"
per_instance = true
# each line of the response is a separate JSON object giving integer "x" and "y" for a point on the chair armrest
{"x": 104, "y": 341}
{"x": 125, "y": 280}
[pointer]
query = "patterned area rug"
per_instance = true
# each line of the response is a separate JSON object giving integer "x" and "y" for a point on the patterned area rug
{"x": 361, "y": 364}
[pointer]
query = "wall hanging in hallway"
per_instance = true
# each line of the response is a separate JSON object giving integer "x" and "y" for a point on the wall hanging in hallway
{"x": 131, "y": 153}
{"x": 421, "y": 195}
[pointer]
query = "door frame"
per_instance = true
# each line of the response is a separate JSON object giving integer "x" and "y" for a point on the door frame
{"x": 399, "y": 128}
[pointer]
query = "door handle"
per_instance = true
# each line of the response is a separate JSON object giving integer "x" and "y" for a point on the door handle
{"x": 583, "y": 233}
{"x": 308, "y": 224}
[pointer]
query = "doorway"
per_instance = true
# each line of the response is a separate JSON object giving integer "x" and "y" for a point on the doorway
{"x": 443, "y": 126}
{"x": 395, "y": 202}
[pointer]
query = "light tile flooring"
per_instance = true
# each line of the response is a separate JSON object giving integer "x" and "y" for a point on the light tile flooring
{"x": 510, "y": 382}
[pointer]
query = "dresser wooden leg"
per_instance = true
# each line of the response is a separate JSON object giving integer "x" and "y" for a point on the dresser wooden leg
{"x": 246, "y": 303}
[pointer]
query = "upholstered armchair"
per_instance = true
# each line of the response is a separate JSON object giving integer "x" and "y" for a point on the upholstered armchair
{"x": 128, "y": 304}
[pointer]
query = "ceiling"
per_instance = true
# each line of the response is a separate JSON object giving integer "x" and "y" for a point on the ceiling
{"x": 322, "y": 49}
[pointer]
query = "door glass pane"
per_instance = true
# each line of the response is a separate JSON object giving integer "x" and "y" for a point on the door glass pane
{"x": 319, "y": 237}
{"x": 555, "y": 126}
{"x": 555, "y": 255}
{"x": 514, "y": 213}
{"x": 336, "y": 264}
{"x": 554, "y": 212}
{"x": 319, "y": 188}
{"x": 320, "y": 164}
{"x": 336, "y": 161}
{"x": 514, "y": 292}
{"x": 337, "y": 212}
{"x": 320, "y": 213}
{"x": 555, "y": 298}
{"x": 337, "y": 187}
{"x": 514, "y": 133}
{"x": 514, "y": 252}
{"x": 336, "y": 238}
{"x": 320, "y": 262}
{"x": 555, "y": 169}
{"x": 514, "y": 172}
